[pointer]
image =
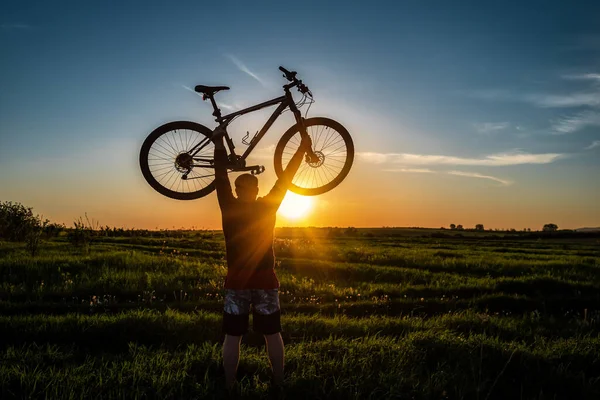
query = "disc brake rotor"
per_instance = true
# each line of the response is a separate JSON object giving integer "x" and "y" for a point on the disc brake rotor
{"x": 320, "y": 159}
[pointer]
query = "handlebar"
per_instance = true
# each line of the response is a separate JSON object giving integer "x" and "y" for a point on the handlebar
{"x": 291, "y": 76}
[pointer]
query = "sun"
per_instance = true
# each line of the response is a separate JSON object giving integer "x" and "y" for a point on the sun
{"x": 295, "y": 206}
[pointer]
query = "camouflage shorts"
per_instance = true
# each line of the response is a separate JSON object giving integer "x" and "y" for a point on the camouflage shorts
{"x": 263, "y": 301}
{"x": 265, "y": 310}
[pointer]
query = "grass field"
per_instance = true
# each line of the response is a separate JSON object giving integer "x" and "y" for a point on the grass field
{"x": 367, "y": 314}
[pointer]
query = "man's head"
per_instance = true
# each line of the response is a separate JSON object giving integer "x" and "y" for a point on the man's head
{"x": 246, "y": 187}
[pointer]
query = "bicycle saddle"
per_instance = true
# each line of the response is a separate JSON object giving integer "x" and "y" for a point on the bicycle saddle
{"x": 209, "y": 90}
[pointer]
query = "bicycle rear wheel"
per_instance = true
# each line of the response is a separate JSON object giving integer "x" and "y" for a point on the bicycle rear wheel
{"x": 177, "y": 160}
{"x": 334, "y": 147}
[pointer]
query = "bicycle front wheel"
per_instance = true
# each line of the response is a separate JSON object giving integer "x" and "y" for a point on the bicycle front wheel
{"x": 333, "y": 146}
{"x": 177, "y": 160}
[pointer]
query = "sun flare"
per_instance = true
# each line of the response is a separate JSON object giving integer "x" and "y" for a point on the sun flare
{"x": 295, "y": 206}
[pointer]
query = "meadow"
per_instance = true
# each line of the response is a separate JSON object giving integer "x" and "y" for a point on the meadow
{"x": 366, "y": 314}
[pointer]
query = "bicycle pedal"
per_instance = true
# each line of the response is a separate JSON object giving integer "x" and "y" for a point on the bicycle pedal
{"x": 257, "y": 171}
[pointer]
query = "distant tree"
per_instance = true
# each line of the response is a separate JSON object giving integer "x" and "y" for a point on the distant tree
{"x": 16, "y": 221}
{"x": 452, "y": 226}
{"x": 528, "y": 229}
{"x": 550, "y": 228}
{"x": 479, "y": 227}
{"x": 459, "y": 228}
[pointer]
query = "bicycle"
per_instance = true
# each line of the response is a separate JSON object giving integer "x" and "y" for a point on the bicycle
{"x": 176, "y": 158}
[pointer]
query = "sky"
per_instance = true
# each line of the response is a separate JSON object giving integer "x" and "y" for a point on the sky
{"x": 462, "y": 112}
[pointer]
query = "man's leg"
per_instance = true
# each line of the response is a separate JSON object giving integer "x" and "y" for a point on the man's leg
{"x": 231, "y": 358}
{"x": 235, "y": 324}
{"x": 267, "y": 320}
{"x": 275, "y": 352}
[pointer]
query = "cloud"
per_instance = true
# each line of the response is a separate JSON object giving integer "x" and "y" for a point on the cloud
{"x": 15, "y": 26}
{"x": 584, "y": 77}
{"x": 541, "y": 100}
{"x": 242, "y": 67}
{"x": 581, "y": 99}
{"x": 487, "y": 128}
{"x": 481, "y": 176}
{"x": 226, "y": 106}
{"x": 585, "y": 98}
{"x": 191, "y": 90}
{"x": 457, "y": 173}
{"x": 595, "y": 143}
{"x": 576, "y": 122}
{"x": 414, "y": 170}
{"x": 492, "y": 160}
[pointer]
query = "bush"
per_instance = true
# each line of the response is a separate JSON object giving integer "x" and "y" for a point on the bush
{"x": 17, "y": 221}
{"x": 82, "y": 234}
{"x": 18, "y": 224}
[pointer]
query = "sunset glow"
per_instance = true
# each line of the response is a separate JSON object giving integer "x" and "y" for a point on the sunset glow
{"x": 295, "y": 206}
{"x": 454, "y": 117}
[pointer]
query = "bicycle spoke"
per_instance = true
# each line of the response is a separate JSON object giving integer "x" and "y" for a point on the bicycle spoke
{"x": 181, "y": 140}
{"x": 169, "y": 156}
{"x": 166, "y": 139}
{"x": 338, "y": 148}
{"x": 328, "y": 137}
{"x": 333, "y": 143}
{"x": 167, "y": 168}
{"x": 331, "y": 148}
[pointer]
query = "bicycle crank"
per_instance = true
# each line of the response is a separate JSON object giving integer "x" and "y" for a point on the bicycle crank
{"x": 254, "y": 169}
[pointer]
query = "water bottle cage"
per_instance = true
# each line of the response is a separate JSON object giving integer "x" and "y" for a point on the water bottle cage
{"x": 245, "y": 138}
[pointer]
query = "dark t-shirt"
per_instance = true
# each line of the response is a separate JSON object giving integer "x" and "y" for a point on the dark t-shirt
{"x": 248, "y": 229}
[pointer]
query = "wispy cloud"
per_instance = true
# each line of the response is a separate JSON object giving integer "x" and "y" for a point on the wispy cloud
{"x": 504, "y": 182}
{"x": 570, "y": 100}
{"x": 15, "y": 26}
{"x": 481, "y": 176}
{"x": 492, "y": 160}
{"x": 242, "y": 67}
{"x": 584, "y": 98}
{"x": 595, "y": 143}
{"x": 191, "y": 90}
{"x": 487, "y": 128}
{"x": 584, "y": 77}
{"x": 576, "y": 122}
{"x": 226, "y": 106}
{"x": 412, "y": 170}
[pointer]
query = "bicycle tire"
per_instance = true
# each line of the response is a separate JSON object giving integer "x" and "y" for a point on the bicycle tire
{"x": 322, "y": 123}
{"x": 162, "y": 132}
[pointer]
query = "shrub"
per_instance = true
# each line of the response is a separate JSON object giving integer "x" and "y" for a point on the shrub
{"x": 19, "y": 224}
{"x": 82, "y": 234}
{"x": 16, "y": 221}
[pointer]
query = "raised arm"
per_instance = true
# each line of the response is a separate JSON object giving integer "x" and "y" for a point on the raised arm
{"x": 222, "y": 184}
{"x": 277, "y": 193}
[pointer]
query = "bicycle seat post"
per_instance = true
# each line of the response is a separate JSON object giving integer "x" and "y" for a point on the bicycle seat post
{"x": 217, "y": 112}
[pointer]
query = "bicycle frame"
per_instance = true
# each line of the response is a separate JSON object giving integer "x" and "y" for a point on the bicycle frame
{"x": 284, "y": 102}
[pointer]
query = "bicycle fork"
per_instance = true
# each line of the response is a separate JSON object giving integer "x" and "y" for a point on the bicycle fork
{"x": 311, "y": 157}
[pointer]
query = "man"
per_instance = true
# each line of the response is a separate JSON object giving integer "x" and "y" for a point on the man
{"x": 248, "y": 224}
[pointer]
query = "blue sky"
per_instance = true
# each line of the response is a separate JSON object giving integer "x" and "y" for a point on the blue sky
{"x": 481, "y": 112}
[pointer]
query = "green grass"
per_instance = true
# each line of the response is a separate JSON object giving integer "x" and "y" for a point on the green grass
{"x": 377, "y": 314}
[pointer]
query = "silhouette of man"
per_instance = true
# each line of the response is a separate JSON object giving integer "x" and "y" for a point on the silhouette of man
{"x": 248, "y": 224}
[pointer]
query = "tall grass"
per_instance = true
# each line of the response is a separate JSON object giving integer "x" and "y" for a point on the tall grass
{"x": 365, "y": 315}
